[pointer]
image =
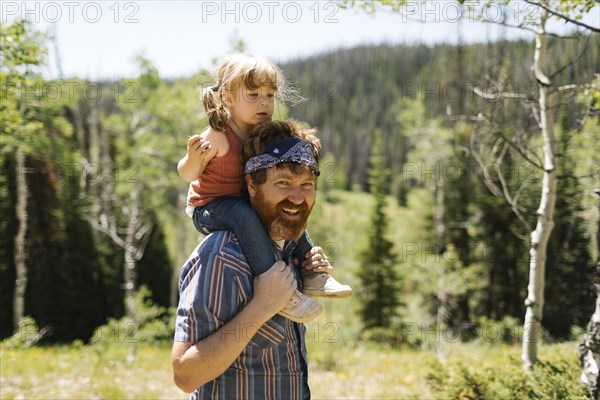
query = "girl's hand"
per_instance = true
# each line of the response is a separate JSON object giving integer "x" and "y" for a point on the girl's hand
{"x": 198, "y": 148}
{"x": 317, "y": 261}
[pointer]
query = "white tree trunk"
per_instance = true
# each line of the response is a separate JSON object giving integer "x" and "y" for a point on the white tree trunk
{"x": 136, "y": 235}
{"x": 589, "y": 350}
{"x": 129, "y": 271}
{"x": 136, "y": 239}
{"x": 95, "y": 158}
{"x": 545, "y": 212}
{"x": 443, "y": 310}
{"x": 20, "y": 253}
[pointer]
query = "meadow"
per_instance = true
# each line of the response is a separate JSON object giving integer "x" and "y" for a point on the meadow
{"x": 339, "y": 370}
{"x": 417, "y": 363}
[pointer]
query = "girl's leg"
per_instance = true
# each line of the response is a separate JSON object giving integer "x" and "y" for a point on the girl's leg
{"x": 318, "y": 284}
{"x": 236, "y": 215}
{"x": 303, "y": 247}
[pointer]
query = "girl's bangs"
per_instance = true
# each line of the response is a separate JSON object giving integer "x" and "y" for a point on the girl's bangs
{"x": 258, "y": 77}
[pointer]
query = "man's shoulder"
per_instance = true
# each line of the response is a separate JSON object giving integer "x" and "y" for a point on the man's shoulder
{"x": 218, "y": 241}
{"x": 223, "y": 246}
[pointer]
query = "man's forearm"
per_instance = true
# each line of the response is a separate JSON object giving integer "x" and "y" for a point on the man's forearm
{"x": 195, "y": 364}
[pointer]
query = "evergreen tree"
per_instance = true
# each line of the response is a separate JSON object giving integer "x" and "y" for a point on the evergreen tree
{"x": 379, "y": 279}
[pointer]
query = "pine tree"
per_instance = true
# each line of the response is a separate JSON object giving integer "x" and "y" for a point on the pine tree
{"x": 379, "y": 279}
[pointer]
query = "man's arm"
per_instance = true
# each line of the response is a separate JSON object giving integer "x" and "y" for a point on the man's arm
{"x": 195, "y": 364}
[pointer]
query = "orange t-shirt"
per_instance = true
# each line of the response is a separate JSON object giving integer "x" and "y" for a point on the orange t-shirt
{"x": 223, "y": 176}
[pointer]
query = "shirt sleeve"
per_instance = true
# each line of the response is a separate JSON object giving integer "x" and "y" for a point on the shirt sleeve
{"x": 208, "y": 292}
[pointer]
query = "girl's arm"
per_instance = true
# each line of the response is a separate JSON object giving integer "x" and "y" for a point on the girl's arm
{"x": 200, "y": 150}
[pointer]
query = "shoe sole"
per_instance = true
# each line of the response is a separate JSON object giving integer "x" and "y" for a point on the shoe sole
{"x": 337, "y": 295}
{"x": 304, "y": 318}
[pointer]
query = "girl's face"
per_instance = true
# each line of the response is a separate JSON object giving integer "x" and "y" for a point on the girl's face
{"x": 249, "y": 107}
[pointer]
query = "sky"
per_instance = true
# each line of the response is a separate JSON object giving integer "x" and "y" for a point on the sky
{"x": 98, "y": 40}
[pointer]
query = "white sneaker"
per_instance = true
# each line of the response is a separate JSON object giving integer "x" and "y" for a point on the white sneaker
{"x": 324, "y": 285}
{"x": 301, "y": 308}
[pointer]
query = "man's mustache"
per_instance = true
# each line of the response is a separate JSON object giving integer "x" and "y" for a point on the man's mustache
{"x": 303, "y": 207}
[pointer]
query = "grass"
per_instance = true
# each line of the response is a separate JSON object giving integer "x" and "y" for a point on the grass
{"x": 87, "y": 372}
{"x": 338, "y": 370}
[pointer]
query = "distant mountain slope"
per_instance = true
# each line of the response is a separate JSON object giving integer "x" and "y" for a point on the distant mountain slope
{"x": 352, "y": 92}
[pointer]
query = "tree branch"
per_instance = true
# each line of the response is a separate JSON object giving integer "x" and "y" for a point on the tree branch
{"x": 573, "y": 62}
{"x": 519, "y": 150}
{"x": 563, "y": 16}
{"x": 508, "y": 95}
{"x": 107, "y": 230}
{"x": 524, "y": 27}
{"x": 143, "y": 237}
{"x": 588, "y": 112}
{"x": 536, "y": 114}
{"x": 501, "y": 147}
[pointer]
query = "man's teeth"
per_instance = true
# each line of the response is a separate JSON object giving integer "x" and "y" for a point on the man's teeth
{"x": 290, "y": 211}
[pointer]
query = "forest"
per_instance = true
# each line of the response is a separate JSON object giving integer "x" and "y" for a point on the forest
{"x": 437, "y": 146}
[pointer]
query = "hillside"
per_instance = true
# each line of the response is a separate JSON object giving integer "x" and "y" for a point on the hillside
{"x": 352, "y": 92}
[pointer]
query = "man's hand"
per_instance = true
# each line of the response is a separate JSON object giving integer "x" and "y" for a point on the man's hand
{"x": 195, "y": 364}
{"x": 317, "y": 261}
{"x": 274, "y": 288}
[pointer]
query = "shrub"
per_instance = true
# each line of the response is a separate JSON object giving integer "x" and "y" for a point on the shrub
{"x": 153, "y": 324}
{"x": 508, "y": 330}
{"x": 384, "y": 336}
{"x": 26, "y": 335}
{"x": 556, "y": 377}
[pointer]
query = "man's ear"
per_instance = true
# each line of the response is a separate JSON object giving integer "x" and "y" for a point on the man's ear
{"x": 252, "y": 187}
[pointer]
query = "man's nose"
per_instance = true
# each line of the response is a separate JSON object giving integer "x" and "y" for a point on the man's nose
{"x": 295, "y": 195}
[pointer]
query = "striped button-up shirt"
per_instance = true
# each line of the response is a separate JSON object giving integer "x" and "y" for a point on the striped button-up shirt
{"x": 215, "y": 284}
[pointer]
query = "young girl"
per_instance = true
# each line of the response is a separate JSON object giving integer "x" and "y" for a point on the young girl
{"x": 243, "y": 97}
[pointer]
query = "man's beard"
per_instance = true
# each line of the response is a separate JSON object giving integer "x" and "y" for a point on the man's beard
{"x": 276, "y": 223}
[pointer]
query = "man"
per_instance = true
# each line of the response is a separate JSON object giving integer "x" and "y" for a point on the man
{"x": 230, "y": 343}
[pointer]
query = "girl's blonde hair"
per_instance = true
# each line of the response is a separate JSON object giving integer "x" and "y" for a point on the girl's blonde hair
{"x": 234, "y": 71}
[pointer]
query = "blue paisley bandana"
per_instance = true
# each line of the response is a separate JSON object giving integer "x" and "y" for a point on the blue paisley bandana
{"x": 285, "y": 150}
